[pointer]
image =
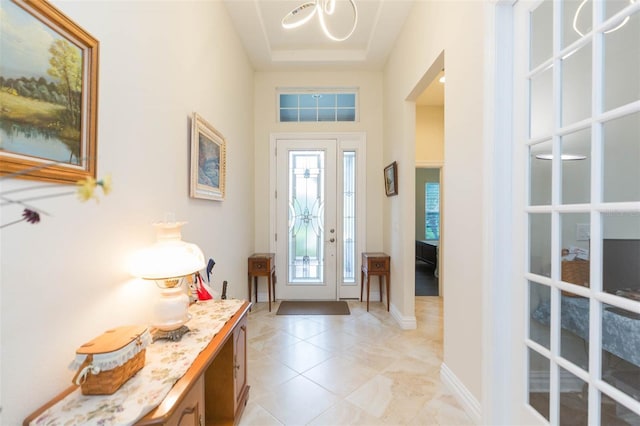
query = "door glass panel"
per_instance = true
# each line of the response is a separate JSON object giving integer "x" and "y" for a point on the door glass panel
{"x": 574, "y": 332}
{"x": 621, "y": 350}
{"x": 622, "y": 65}
{"x": 622, "y": 159}
{"x": 614, "y": 413}
{"x": 576, "y": 167}
{"x": 306, "y": 217}
{"x": 539, "y": 379}
{"x": 576, "y": 85}
{"x": 540, "y": 179}
{"x": 577, "y": 19}
{"x": 349, "y": 218}
{"x": 573, "y": 399}
{"x": 575, "y": 248}
{"x": 541, "y": 34}
{"x": 540, "y": 244}
{"x": 541, "y": 119}
{"x": 621, "y": 254}
{"x": 540, "y": 310}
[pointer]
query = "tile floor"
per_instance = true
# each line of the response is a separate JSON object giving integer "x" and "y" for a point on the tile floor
{"x": 358, "y": 369}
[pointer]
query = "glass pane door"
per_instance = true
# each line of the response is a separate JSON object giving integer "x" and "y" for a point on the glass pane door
{"x": 582, "y": 279}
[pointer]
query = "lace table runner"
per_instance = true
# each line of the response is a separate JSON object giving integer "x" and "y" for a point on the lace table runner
{"x": 165, "y": 363}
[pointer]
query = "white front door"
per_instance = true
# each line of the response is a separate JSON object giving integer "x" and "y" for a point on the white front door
{"x": 318, "y": 235}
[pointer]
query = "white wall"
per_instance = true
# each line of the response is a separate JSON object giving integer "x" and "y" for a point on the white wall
{"x": 64, "y": 281}
{"x": 434, "y": 27}
{"x": 369, "y": 86}
{"x": 429, "y": 134}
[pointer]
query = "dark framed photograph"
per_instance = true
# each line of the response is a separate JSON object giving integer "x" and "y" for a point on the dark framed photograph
{"x": 391, "y": 179}
{"x": 48, "y": 94}
{"x": 208, "y": 160}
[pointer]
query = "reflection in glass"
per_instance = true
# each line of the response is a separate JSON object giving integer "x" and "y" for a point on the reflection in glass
{"x": 574, "y": 228}
{"x": 614, "y": 413}
{"x": 577, "y": 19}
{"x": 622, "y": 62}
{"x": 573, "y": 399}
{"x": 540, "y": 181}
{"x": 540, "y": 244}
{"x": 576, "y": 85}
{"x": 621, "y": 254}
{"x": 539, "y": 378}
{"x": 306, "y": 217}
{"x": 576, "y": 174}
{"x": 541, "y": 34}
{"x": 574, "y": 332}
{"x": 622, "y": 159}
{"x": 621, "y": 350}
{"x": 540, "y": 313}
{"x": 541, "y": 104}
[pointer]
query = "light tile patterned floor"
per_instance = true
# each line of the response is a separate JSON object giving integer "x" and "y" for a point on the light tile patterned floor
{"x": 358, "y": 369}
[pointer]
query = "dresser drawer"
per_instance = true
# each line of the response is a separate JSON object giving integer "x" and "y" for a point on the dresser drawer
{"x": 377, "y": 264}
{"x": 258, "y": 264}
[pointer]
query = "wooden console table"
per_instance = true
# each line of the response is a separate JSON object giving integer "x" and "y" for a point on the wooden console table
{"x": 262, "y": 265}
{"x": 375, "y": 264}
{"x": 212, "y": 391}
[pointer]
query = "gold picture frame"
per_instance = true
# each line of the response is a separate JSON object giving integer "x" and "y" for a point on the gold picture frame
{"x": 208, "y": 161}
{"x": 49, "y": 97}
{"x": 391, "y": 179}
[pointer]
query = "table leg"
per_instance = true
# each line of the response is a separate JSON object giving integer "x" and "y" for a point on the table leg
{"x": 269, "y": 290}
{"x": 249, "y": 289}
{"x": 255, "y": 286}
{"x": 380, "y": 277}
{"x": 368, "y": 288}
{"x": 361, "y": 283}
{"x": 388, "y": 280}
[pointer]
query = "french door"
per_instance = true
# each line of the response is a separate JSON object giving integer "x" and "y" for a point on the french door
{"x": 317, "y": 230}
{"x": 576, "y": 141}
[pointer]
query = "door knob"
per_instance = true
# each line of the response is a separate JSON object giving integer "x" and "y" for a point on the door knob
{"x": 332, "y": 240}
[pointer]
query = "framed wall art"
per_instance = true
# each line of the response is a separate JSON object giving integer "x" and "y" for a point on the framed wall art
{"x": 48, "y": 94}
{"x": 391, "y": 179}
{"x": 208, "y": 160}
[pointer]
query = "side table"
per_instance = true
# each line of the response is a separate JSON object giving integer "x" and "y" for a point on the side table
{"x": 263, "y": 265}
{"x": 375, "y": 264}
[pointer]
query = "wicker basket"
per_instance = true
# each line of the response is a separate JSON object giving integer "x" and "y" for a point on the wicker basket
{"x": 575, "y": 272}
{"x": 108, "y": 361}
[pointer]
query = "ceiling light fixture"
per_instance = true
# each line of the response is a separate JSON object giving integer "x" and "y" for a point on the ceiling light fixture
{"x": 303, "y": 14}
{"x": 563, "y": 157}
{"x": 575, "y": 20}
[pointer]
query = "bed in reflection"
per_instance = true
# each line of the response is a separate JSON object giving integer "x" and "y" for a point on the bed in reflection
{"x": 620, "y": 329}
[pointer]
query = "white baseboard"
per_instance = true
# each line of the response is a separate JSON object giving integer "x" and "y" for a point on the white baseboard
{"x": 405, "y": 323}
{"x": 468, "y": 402}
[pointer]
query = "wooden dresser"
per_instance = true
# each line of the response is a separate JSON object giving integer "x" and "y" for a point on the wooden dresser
{"x": 213, "y": 391}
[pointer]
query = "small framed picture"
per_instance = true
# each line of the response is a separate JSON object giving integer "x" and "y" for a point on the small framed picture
{"x": 208, "y": 160}
{"x": 391, "y": 179}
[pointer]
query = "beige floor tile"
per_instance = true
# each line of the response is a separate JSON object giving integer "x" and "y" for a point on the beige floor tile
{"x": 340, "y": 375}
{"x": 357, "y": 369}
{"x": 297, "y": 401}
{"x": 345, "y": 414}
{"x": 300, "y": 356}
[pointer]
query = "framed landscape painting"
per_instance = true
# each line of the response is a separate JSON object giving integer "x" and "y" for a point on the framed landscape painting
{"x": 208, "y": 160}
{"x": 48, "y": 94}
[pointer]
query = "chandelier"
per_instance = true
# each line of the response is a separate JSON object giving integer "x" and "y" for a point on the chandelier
{"x": 322, "y": 8}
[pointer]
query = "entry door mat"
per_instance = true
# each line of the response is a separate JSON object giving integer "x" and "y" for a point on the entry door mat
{"x": 313, "y": 308}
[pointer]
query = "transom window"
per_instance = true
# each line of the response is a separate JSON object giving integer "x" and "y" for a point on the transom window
{"x": 316, "y": 106}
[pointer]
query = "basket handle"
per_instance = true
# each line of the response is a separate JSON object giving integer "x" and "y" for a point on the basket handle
{"x": 84, "y": 370}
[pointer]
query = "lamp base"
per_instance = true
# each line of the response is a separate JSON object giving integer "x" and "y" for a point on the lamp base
{"x": 173, "y": 335}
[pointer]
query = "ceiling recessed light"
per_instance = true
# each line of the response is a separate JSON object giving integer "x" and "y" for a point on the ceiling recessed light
{"x": 441, "y": 79}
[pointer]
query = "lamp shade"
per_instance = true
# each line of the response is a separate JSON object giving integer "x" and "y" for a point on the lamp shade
{"x": 169, "y": 257}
